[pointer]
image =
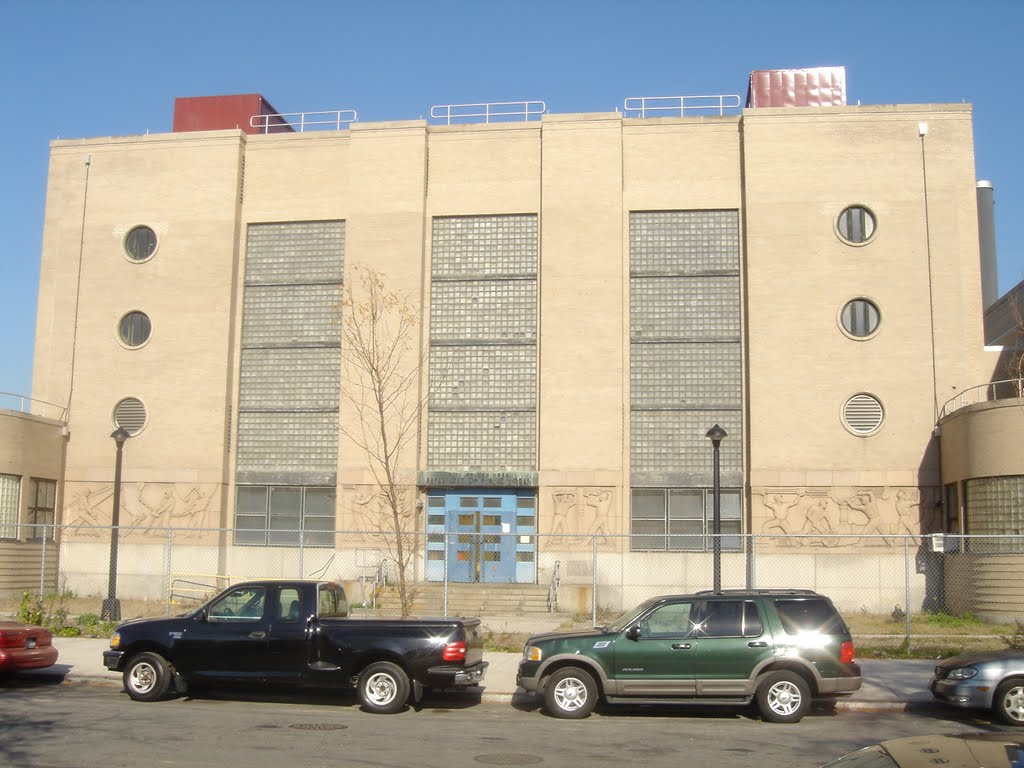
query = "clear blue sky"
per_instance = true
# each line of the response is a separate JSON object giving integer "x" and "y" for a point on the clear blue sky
{"x": 71, "y": 68}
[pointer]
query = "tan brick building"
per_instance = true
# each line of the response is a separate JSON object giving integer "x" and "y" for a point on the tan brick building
{"x": 595, "y": 291}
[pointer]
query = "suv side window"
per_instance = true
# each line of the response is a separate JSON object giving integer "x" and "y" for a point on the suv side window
{"x": 812, "y": 614}
{"x": 731, "y": 618}
{"x": 668, "y": 620}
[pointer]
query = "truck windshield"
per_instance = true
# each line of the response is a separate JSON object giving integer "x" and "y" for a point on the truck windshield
{"x": 331, "y": 602}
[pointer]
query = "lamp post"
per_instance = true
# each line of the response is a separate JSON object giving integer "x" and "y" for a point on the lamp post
{"x": 111, "y": 610}
{"x": 716, "y": 434}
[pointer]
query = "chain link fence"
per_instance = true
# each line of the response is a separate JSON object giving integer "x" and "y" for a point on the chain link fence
{"x": 168, "y": 570}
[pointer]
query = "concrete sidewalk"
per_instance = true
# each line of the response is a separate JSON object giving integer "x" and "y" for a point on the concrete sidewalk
{"x": 892, "y": 685}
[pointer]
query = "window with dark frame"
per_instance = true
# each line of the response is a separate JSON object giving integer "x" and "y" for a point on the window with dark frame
{"x": 42, "y": 503}
{"x": 682, "y": 520}
{"x": 285, "y": 516}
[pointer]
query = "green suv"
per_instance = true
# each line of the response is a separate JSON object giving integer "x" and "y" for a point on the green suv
{"x": 780, "y": 647}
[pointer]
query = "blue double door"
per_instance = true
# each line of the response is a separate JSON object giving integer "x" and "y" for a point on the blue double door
{"x": 482, "y": 536}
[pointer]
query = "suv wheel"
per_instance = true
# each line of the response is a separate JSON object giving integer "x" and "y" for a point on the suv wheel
{"x": 783, "y": 697}
{"x": 570, "y": 693}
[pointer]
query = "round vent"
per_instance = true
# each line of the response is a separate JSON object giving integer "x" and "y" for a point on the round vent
{"x": 130, "y": 414}
{"x": 862, "y": 414}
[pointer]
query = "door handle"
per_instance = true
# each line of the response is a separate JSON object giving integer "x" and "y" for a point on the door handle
{"x": 757, "y": 644}
{"x": 680, "y": 646}
{"x": 257, "y": 635}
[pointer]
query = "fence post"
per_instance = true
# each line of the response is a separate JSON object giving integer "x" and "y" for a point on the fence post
{"x": 302, "y": 552}
{"x": 42, "y": 564}
{"x": 167, "y": 572}
{"x": 593, "y": 590}
{"x": 906, "y": 587}
{"x": 445, "y": 589}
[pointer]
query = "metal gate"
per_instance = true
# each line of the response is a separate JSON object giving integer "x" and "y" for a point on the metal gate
{"x": 476, "y": 535}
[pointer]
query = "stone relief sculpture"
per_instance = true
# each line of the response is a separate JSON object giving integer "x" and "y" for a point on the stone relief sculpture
{"x": 147, "y": 509}
{"x": 844, "y": 517}
{"x": 580, "y": 513}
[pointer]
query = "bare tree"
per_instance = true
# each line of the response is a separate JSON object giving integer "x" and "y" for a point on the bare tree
{"x": 381, "y": 370}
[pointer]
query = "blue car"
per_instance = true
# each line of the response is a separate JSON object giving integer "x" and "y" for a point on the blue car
{"x": 992, "y": 680}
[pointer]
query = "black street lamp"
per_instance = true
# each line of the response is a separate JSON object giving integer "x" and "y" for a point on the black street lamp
{"x": 716, "y": 434}
{"x": 111, "y": 610}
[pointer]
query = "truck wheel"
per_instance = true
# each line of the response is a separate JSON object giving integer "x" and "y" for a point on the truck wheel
{"x": 147, "y": 677}
{"x": 383, "y": 688}
{"x": 1008, "y": 702}
{"x": 570, "y": 693}
{"x": 783, "y": 697}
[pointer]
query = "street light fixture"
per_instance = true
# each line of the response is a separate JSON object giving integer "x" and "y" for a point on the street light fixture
{"x": 111, "y": 610}
{"x": 716, "y": 434}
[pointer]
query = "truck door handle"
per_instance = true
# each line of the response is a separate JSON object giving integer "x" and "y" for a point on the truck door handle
{"x": 257, "y": 635}
{"x": 757, "y": 644}
{"x": 680, "y": 646}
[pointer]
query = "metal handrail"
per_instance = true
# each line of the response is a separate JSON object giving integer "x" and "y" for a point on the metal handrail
{"x": 681, "y": 104}
{"x": 994, "y": 390}
{"x": 339, "y": 117}
{"x": 488, "y": 110}
{"x": 28, "y": 405}
{"x": 553, "y": 587}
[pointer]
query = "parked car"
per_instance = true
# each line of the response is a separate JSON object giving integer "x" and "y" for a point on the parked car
{"x": 966, "y": 750}
{"x": 297, "y": 633}
{"x": 992, "y": 680}
{"x": 780, "y": 647}
{"x": 25, "y": 646}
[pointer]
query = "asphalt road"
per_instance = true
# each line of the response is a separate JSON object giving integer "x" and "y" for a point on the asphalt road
{"x": 45, "y": 724}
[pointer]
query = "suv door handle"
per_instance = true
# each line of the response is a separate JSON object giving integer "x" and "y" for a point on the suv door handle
{"x": 257, "y": 635}
{"x": 680, "y": 646}
{"x": 757, "y": 644}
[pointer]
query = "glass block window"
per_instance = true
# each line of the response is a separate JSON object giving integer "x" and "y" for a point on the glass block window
{"x": 476, "y": 441}
{"x": 686, "y": 368}
{"x": 483, "y": 376}
{"x": 483, "y": 343}
{"x": 10, "y": 486}
{"x": 42, "y": 503}
{"x": 994, "y": 506}
{"x": 289, "y": 373}
{"x": 682, "y": 519}
{"x": 285, "y": 516}
{"x": 484, "y": 246}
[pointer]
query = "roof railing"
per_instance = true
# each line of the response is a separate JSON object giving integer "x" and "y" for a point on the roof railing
{"x": 493, "y": 111}
{"x": 332, "y": 119}
{"x": 995, "y": 390}
{"x": 653, "y": 106}
{"x": 24, "y": 404}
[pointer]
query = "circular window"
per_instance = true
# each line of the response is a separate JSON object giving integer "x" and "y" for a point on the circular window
{"x": 856, "y": 225}
{"x": 134, "y": 329}
{"x": 863, "y": 414}
{"x": 130, "y": 414}
{"x": 140, "y": 243}
{"x": 860, "y": 318}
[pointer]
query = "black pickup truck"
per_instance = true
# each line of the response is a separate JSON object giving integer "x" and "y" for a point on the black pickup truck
{"x": 296, "y": 633}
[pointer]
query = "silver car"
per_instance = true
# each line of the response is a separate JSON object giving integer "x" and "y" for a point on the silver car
{"x": 985, "y": 680}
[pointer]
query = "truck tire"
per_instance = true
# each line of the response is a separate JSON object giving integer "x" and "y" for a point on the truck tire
{"x": 383, "y": 688}
{"x": 1008, "y": 701}
{"x": 147, "y": 677}
{"x": 783, "y": 697}
{"x": 570, "y": 693}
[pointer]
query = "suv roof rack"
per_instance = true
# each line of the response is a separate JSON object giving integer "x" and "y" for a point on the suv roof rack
{"x": 756, "y": 592}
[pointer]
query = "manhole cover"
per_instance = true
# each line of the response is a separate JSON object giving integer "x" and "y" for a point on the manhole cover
{"x": 318, "y": 727}
{"x": 509, "y": 759}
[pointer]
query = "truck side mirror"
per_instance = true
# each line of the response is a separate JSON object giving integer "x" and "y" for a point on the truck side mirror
{"x": 633, "y": 633}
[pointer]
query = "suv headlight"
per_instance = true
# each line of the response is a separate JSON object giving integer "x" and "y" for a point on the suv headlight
{"x": 532, "y": 653}
{"x": 962, "y": 673}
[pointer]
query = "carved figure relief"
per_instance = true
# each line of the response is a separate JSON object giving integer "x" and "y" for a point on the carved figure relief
{"x": 580, "y": 512}
{"x": 843, "y": 517}
{"x": 147, "y": 509}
